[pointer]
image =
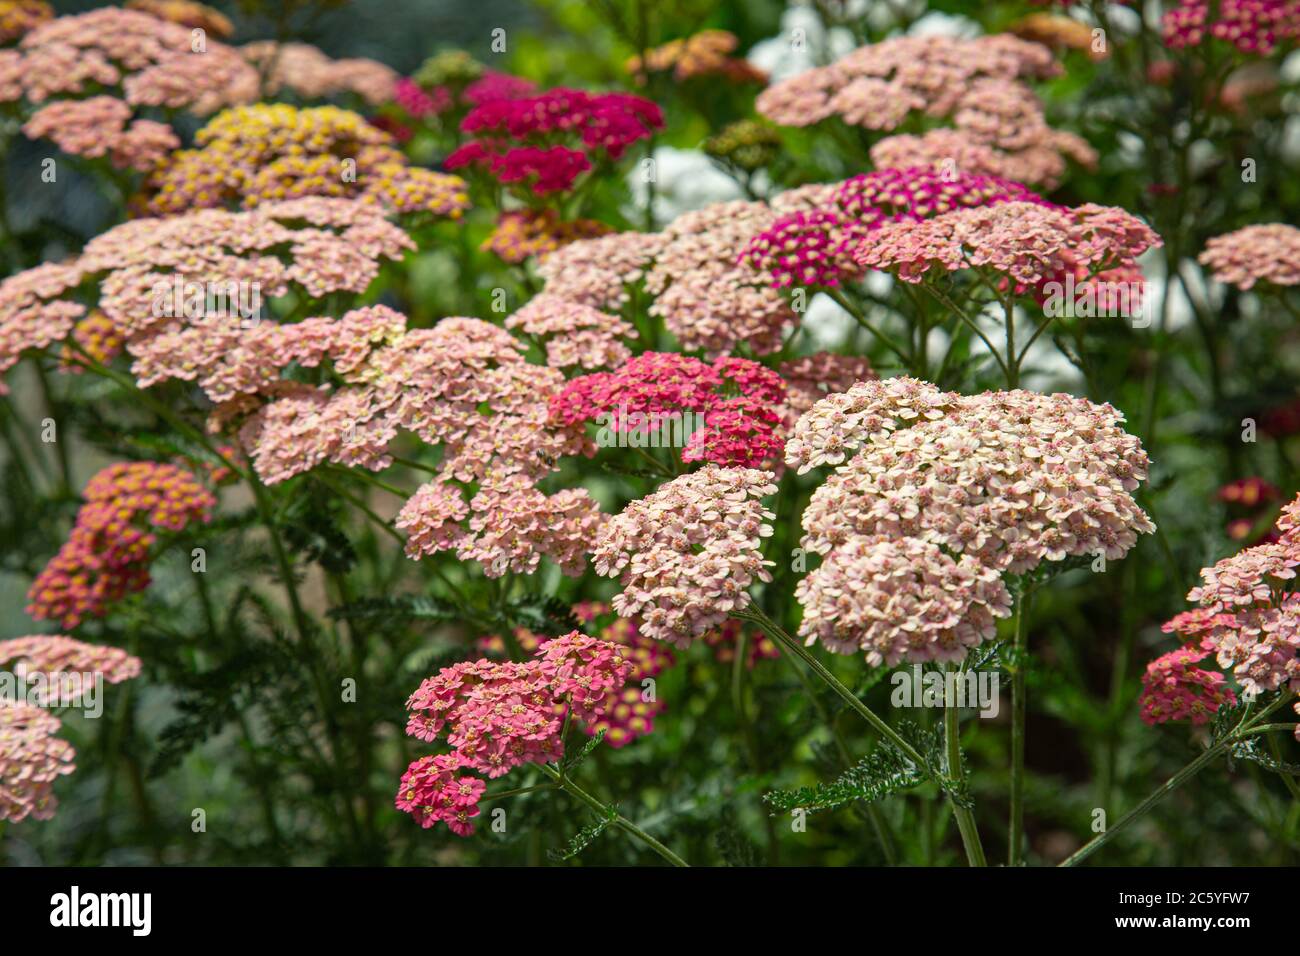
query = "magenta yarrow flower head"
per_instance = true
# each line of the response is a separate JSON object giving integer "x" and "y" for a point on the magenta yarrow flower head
{"x": 687, "y": 554}
{"x": 936, "y": 495}
{"x": 738, "y": 401}
{"x": 1255, "y": 27}
{"x": 498, "y": 715}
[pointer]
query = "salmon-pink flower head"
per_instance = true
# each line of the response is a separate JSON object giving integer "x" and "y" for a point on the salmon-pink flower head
{"x": 512, "y": 525}
{"x": 1024, "y": 245}
{"x": 1256, "y": 27}
{"x": 148, "y": 61}
{"x": 56, "y": 654}
{"x": 250, "y": 155}
{"x": 626, "y": 713}
{"x": 147, "y": 270}
{"x": 1249, "y": 612}
{"x": 31, "y": 759}
{"x": 1174, "y": 688}
{"x": 102, "y": 126}
{"x": 815, "y": 247}
{"x": 462, "y": 384}
{"x": 498, "y": 715}
{"x": 739, "y": 402}
{"x": 1267, "y": 254}
{"x": 306, "y": 71}
{"x": 687, "y": 554}
{"x": 106, "y": 556}
{"x": 966, "y": 487}
{"x": 597, "y": 271}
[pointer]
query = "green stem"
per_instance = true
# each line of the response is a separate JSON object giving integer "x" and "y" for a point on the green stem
{"x": 620, "y": 821}
{"x": 862, "y": 320}
{"x": 970, "y": 836}
{"x": 1244, "y": 729}
{"x": 1016, "y": 828}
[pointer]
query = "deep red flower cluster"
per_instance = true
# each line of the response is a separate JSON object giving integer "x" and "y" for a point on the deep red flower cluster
{"x": 550, "y": 139}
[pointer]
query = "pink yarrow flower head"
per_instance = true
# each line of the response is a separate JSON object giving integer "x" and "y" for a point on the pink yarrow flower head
{"x": 1174, "y": 688}
{"x": 1254, "y": 27}
{"x": 31, "y": 759}
{"x": 936, "y": 495}
{"x": 107, "y": 555}
{"x": 687, "y": 554}
{"x": 53, "y": 654}
{"x": 1267, "y": 255}
{"x": 738, "y": 400}
{"x": 1249, "y": 611}
{"x": 1023, "y": 245}
{"x": 498, "y": 715}
{"x": 815, "y": 247}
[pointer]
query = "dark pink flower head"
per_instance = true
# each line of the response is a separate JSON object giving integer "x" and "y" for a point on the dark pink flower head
{"x": 1255, "y": 27}
{"x": 418, "y": 101}
{"x": 498, "y": 715}
{"x": 1174, "y": 688}
{"x": 497, "y": 86}
{"x": 738, "y": 402}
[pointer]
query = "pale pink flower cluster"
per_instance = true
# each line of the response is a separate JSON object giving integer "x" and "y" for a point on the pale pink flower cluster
{"x": 148, "y": 271}
{"x": 151, "y": 61}
{"x": 1267, "y": 253}
{"x": 999, "y": 126}
{"x": 55, "y": 654}
{"x": 705, "y": 296}
{"x": 942, "y": 494}
{"x": 1025, "y": 244}
{"x": 102, "y": 126}
{"x": 512, "y": 525}
{"x": 498, "y": 715}
{"x": 31, "y": 756}
{"x": 31, "y": 759}
{"x": 303, "y": 69}
{"x": 575, "y": 335}
{"x": 687, "y": 554}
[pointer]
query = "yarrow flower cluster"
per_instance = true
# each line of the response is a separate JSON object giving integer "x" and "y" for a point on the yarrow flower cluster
{"x": 1024, "y": 244}
{"x": 150, "y": 62}
{"x": 102, "y": 126}
{"x": 627, "y": 713}
{"x": 937, "y": 495}
{"x": 574, "y": 334}
{"x": 171, "y": 287}
{"x": 1255, "y": 27}
{"x": 687, "y": 554}
{"x": 815, "y": 247}
{"x": 31, "y": 759}
{"x": 106, "y": 556}
{"x": 704, "y": 54}
{"x": 52, "y": 655}
{"x": 1174, "y": 688}
{"x": 1249, "y": 612}
{"x": 547, "y": 140}
{"x": 739, "y": 400}
{"x": 1268, "y": 254}
{"x": 526, "y": 234}
{"x": 303, "y": 69}
{"x": 496, "y": 716}
{"x": 187, "y": 13}
{"x": 976, "y": 82}
{"x": 267, "y": 153}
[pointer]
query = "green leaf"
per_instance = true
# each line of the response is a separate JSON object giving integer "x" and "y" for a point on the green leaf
{"x": 584, "y": 837}
{"x": 883, "y": 771}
